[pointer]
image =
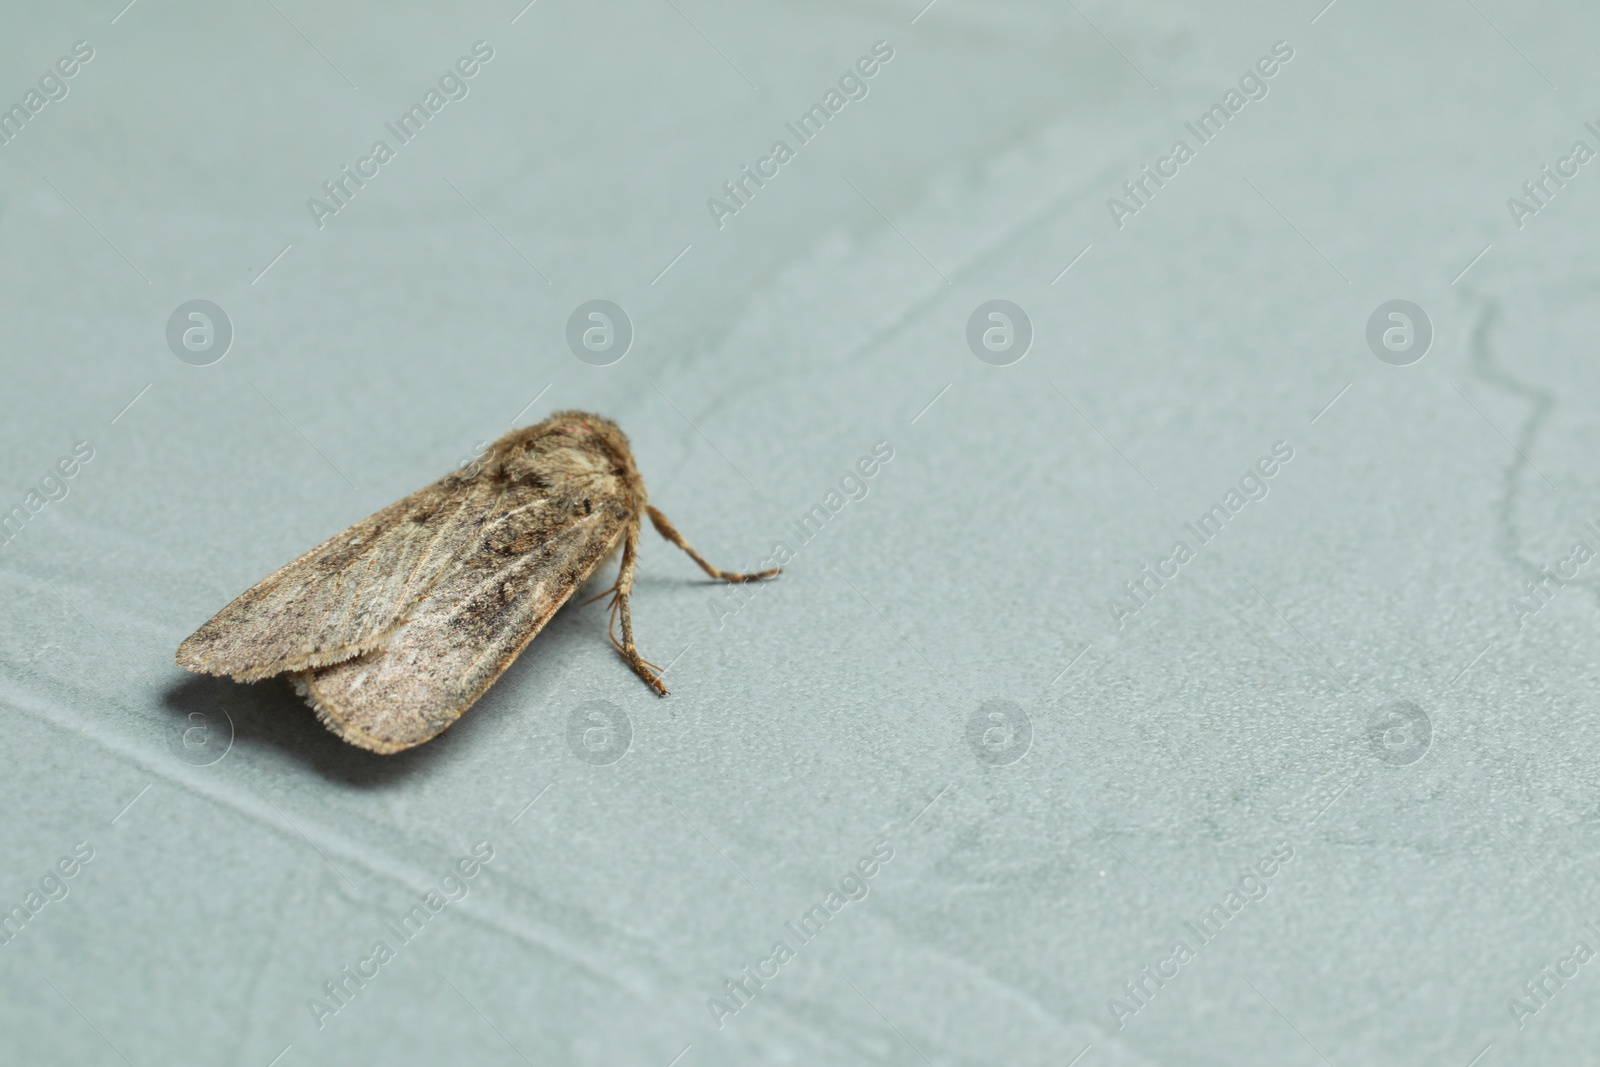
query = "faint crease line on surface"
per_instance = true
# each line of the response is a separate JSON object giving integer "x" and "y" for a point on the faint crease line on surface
{"x": 97, "y": 229}
{"x": 306, "y": 839}
{"x": 676, "y": 658}
{"x": 674, "y": 263}
{"x": 485, "y": 1018}
{"x": 1068, "y": 667}
{"x": 1506, "y": 439}
{"x": 1514, "y": 48}
{"x": 86, "y": 1019}
{"x": 707, "y": 440}
{"x": 131, "y": 803}
{"x": 498, "y": 231}
{"x": 1104, "y": 438}
{"x": 313, "y": 45}
{"x": 1297, "y": 630}
{"x": 1291, "y": 1025}
{"x": 383, "y": 865}
{"x": 304, "y": 438}
{"x": 994, "y": 248}
{"x": 531, "y": 803}
{"x": 1469, "y": 266}
{"x": 1329, "y": 804}
{"x": 274, "y": 263}
{"x": 1330, "y": 404}
{"x": 81, "y": 615}
{"x": 1523, "y": 856}
{"x": 930, "y": 403}
{"x": 1297, "y": 230}
{"x": 714, "y": 48}
{"x": 1069, "y": 266}
{"x": 896, "y": 229}
{"x": 1469, "y": 666}
{"x": 896, "y": 629}
{"x": 518, "y": 416}
{"x": 703, "y": 836}
{"x": 1113, "y": 44}
{"x": 930, "y": 804}
{"x": 886, "y": 1019}
{"x": 1107, "y": 839}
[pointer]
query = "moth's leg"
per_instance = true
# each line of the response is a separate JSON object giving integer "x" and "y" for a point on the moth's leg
{"x": 665, "y": 528}
{"x": 619, "y": 606}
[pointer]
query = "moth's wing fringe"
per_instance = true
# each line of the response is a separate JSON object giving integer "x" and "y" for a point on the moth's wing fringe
{"x": 297, "y": 664}
{"x": 344, "y": 728}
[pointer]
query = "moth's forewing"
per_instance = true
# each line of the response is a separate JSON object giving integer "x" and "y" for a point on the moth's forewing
{"x": 346, "y": 595}
{"x": 463, "y": 633}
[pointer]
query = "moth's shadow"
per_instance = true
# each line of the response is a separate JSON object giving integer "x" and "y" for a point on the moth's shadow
{"x": 667, "y": 581}
{"x": 642, "y": 580}
{"x": 270, "y": 714}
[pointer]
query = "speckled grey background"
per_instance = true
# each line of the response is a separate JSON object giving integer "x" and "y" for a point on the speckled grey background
{"x": 1069, "y": 779}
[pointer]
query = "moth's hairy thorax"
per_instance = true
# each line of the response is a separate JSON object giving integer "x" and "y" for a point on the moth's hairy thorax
{"x": 578, "y": 467}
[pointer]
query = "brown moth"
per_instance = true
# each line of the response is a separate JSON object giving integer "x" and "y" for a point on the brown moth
{"x": 395, "y": 627}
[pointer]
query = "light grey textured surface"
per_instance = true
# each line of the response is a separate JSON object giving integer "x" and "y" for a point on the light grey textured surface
{"x": 1232, "y": 715}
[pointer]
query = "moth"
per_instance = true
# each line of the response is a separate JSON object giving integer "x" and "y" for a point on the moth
{"x": 393, "y": 628}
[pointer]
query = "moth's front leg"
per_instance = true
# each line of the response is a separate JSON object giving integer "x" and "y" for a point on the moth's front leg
{"x": 665, "y": 528}
{"x": 619, "y": 605}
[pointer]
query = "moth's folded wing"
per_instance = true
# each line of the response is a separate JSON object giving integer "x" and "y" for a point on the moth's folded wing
{"x": 348, "y": 594}
{"x": 457, "y": 639}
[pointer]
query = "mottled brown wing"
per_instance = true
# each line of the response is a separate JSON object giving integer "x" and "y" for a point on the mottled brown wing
{"x": 348, "y": 594}
{"x": 466, "y": 630}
